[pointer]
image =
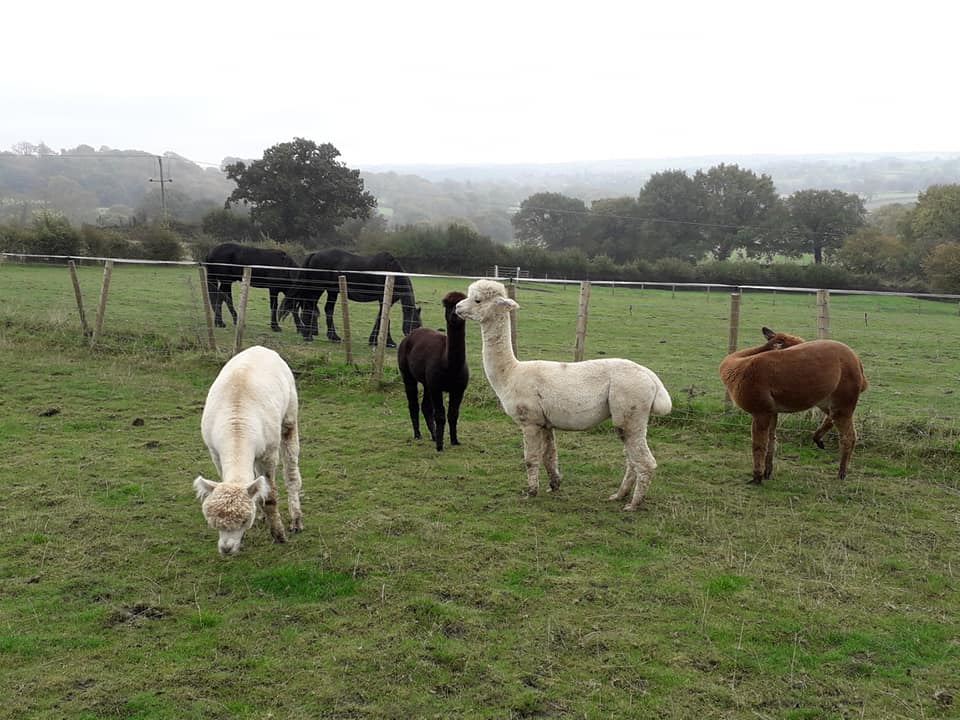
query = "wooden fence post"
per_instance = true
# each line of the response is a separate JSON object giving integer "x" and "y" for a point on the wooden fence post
{"x": 242, "y": 309}
{"x": 579, "y": 343}
{"x": 76, "y": 292}
{"x": 734, "y": 332}
{"x": 102, "y": 304}
{"x": 207, "y": 309}
{"x": 823, "y": 314}
{"x": 347, "y": 342}
{"x": 512, "y": 294}
{"x": 384, "y": 329}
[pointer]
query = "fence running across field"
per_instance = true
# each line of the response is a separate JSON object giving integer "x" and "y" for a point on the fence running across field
{"x": 125, "y": 302}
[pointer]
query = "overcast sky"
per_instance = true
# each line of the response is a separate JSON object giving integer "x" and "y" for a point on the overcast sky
{"x": 487, "y": 82}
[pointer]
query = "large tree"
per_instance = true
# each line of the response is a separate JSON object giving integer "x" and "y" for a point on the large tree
{"x": 614, "y": 229}
{"x": 299, "y": 191}
{"x": 550, "y": 220}
{"x": 671, "y": 208}
{"x": 740, "y": 210}
{"x": 937, "y": 214}
{"x": 822, "y": 220}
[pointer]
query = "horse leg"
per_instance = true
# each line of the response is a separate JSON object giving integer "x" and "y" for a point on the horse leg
{"x": 771, "y": 448}
{"x": 848, "y": 438}
{"x": 453, "y": 414}
{"x": 328, "y": 308}
{"x": 439, "y": 420}
{"x": 290, "y": 452}
{"x": 374, "y": 334}
{"x": 216, "y": 302}
{"x": 227, "y": 296}
{"x": 533, "y": 449}
{"x": 274, "y": 325}
{"x": 760, "y": 431}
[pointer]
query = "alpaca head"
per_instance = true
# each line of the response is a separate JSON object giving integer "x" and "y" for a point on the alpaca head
{"x": 230, "y": 508}
{"x": 485, "y": 300}
{"x": 450, "y": 301}
{"x": 779, "y": 340}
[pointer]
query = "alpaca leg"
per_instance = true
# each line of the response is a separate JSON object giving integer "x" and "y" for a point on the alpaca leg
{"x": 439, "y": 420}
{"x": 629, "y": 475}
{"x": 270, "y": 503}
{"x": 771, "y": 449}
{"x": 822, "y": 430}
{"x": 413, "y": 403}
{"x": 550, "y": 461}
{"x": 848, "y": 438}
{"x": 453, "y": 414}
{"x": 760, "y": 431}
{"x": 641, "y": 459}
{"x": 426, "y": 407}
{"x": 290, "y": 450}
{"x": 533, "y": 447}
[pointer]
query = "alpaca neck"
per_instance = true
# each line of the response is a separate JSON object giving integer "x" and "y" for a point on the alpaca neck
{"x": 750, "y": 352}
{"x": 498, "y": 357}
{"x": 237, "y": 464}
{"x": 456, "y": 343}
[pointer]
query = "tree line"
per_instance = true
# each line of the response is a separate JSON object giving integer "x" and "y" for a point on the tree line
{"x": 679, "y": 227}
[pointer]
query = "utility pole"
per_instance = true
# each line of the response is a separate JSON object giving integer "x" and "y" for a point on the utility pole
{"x": 163, "y": 194}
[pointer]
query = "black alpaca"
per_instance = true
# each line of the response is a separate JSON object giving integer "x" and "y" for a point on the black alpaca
{"x": 320, "y": 274}
{"x": 225, "y": 264}
{"x": 439, "y": 363}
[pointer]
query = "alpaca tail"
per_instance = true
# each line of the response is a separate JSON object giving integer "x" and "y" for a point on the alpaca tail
{"x": 662, "y": 404}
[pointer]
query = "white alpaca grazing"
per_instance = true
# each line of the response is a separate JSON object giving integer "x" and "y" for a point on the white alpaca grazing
{"x": 249, "y": 422}
{"x": 541, "y": 396}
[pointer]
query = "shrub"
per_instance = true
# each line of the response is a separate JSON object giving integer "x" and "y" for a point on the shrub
{"x": 942, "y": 266}
{"x": 159, "y": 242}
{"x": 52, "y": 235}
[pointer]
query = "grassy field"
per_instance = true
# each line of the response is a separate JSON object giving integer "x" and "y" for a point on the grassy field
{"x": 425, "y": 585}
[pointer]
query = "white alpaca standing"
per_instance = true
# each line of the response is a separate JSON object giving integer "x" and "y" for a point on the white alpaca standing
{"x": 541, "y": 395}
{"x": 249, "y": 421}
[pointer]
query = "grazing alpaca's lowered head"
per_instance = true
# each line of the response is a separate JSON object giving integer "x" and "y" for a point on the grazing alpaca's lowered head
{"x": 249, "y": 423}
{"x": 439, "y": 363}
{"x": 541, "y": 396}
{"x": 788, "y": 374}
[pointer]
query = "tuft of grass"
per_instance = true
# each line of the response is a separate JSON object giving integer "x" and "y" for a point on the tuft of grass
{"x": 303, "y": 583}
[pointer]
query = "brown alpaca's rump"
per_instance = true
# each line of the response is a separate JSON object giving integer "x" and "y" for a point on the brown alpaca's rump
{"x": 788, "y": 374}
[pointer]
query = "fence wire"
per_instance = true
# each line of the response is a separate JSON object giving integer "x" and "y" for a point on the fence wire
{"x": 907, "y": 343}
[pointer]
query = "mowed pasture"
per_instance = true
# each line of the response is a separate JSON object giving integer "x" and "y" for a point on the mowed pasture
{"x": 424, "y": 584}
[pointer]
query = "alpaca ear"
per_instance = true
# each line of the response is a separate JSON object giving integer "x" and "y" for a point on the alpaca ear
{"x": 512, "y": 304}
{"x": 203, "y": 487}
{"x": 258, "y": 489}
{"x": 767, "y": 332}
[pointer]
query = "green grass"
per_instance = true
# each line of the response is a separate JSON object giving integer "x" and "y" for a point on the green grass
{"x": 424, "y": 585}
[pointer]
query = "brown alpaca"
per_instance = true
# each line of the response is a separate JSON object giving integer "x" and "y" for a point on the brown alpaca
{"x": 788, "y": 374}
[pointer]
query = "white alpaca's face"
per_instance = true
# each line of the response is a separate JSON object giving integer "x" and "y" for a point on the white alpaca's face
{"x": 484, "y": 298}
{"x": 230, "y": 509}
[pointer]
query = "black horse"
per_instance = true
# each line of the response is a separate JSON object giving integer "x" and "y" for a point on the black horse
{"x": 225, "y": 264}
{"x": 320, "y": 275}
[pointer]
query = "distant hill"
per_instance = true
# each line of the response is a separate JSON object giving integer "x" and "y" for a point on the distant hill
{"x": 90, "y": 185}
